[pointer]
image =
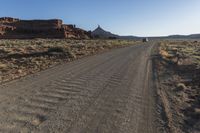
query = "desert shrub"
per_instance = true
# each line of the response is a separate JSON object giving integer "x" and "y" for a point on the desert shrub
{"x": 185, "y": 43}
{"x": 56, "y": 49}
{"x": 63, "y": 50}
{"x": 71, "y": 54}
{"x": 180, "y": 87}
{"x": 78, "y": 46}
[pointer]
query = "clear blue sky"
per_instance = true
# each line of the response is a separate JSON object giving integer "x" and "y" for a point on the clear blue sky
{"x": 124, "y": 17}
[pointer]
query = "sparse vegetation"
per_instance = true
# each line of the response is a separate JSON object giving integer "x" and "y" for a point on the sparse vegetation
{"x": 178, "y": 70}
{"x": 22, "y": 57}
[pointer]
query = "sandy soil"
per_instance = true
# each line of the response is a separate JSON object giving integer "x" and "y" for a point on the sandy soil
{"x": 177, "y": 70}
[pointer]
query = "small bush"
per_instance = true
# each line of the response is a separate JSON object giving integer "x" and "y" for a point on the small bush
{"x": 56, "y": 49}
{"x": 180, "y": 87}
{"x": 62, "y": 50}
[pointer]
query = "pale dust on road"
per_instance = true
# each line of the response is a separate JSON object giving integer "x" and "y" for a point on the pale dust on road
{"x": 106, "y": 93}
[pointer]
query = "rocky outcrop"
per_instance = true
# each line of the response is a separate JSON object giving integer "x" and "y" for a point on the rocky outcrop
{"x": 11, "y": 28}
{"x": 101, "y": 33}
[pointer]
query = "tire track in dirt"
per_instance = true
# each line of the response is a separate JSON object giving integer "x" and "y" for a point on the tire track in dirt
{"x": 50, "y": 101}
{"x": 99, "y": 103}
{"x": 96, "y": 94}
{"x": 82, "y": 103}
{"x": 41, "y": 108}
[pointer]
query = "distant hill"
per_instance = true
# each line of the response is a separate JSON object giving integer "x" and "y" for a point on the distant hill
{"x": 192, "y": 36}
{"x": 103, "y": 34}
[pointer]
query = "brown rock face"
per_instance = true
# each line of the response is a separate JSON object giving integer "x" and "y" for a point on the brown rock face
{"x": 11, "y": 28}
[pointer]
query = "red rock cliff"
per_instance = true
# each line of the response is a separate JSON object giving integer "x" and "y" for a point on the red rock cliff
{"x": 11, "y": 28}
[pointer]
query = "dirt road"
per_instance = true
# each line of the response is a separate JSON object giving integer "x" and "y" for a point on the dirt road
{"x": 106, "y": 93}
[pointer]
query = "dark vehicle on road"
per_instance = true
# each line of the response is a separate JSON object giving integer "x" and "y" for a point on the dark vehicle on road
{"x": 145, "y": 39}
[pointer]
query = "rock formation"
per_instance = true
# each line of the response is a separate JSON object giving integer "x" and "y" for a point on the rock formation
{"x": 101, "y": 33}
{"x": 12, "y": 28}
